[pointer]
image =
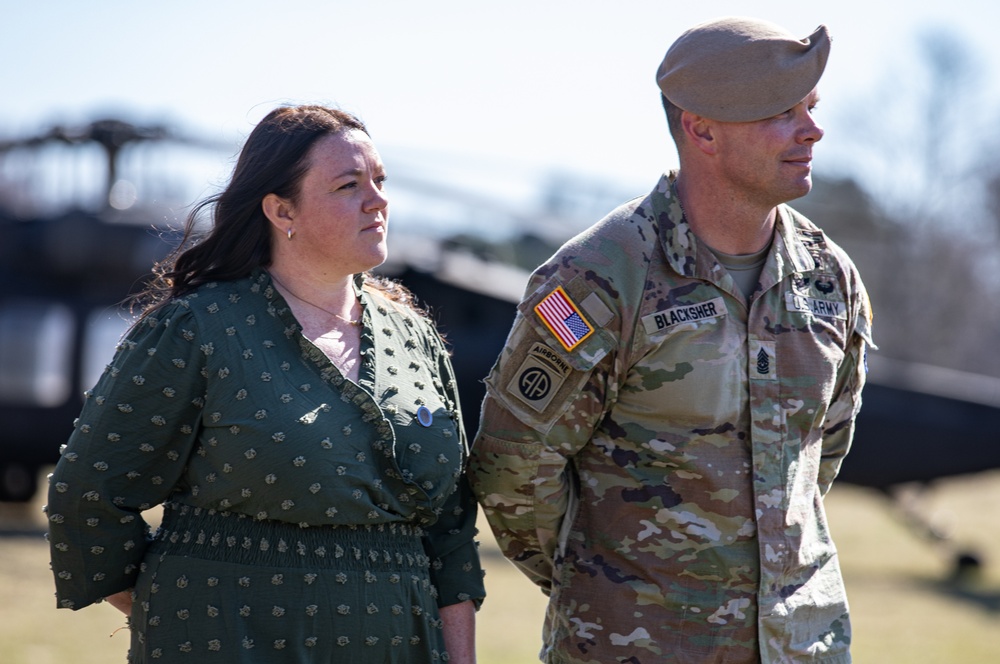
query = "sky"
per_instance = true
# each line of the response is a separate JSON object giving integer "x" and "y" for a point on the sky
{"x": 450, "y": 89}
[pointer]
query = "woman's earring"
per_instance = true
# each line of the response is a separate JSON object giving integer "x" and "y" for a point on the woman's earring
{"x": 290, "y": 232}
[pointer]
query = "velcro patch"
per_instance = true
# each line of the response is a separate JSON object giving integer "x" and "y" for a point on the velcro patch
{"x": 599, "y": 312}
{"x": 815, "y": 306}
{"x": 563, "y": 318}
{"x": 763, "y": 360}
{"x": 684, "y": 313}
{"x": 539, "y": 377}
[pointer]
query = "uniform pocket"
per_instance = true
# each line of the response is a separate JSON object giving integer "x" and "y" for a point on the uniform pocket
{"x": 557, "y": 340}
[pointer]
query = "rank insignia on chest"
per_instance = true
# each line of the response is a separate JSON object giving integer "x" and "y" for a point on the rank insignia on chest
{"x": 563, "y": 318}
{"x": 763, "y": 360}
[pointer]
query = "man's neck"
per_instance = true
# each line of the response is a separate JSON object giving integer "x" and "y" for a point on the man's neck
{"x": 725, "y": 221}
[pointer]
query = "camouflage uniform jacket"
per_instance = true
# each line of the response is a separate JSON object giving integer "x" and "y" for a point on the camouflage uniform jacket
{"x": 654, "y": 450}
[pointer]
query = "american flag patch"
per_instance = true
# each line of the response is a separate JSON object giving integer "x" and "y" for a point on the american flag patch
{"x": 563, "y": 318}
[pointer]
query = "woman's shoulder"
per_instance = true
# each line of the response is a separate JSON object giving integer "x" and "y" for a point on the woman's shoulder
{"x": 223, "y": 302}
{"x": 207, "y": 308}
{"x": 391, "y": 296}
{"x": 393, "y": 301}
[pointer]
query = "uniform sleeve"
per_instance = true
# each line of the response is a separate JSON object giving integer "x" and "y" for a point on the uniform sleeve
{"x": 838, "y": 429}
{"x": 542, "y": 405}
{"x": 126, "y": 454}
{"x": 451, "y": 542}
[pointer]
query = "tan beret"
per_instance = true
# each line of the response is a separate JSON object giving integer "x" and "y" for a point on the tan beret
{"x": 737, "y": 69}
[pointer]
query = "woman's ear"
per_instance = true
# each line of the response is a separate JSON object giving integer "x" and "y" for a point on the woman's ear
{"x": 279, "y": 212}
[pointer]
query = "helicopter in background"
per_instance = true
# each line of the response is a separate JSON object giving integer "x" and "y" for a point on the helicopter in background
{"x": 67, "y": 270}
{"x": 65, "y": 274}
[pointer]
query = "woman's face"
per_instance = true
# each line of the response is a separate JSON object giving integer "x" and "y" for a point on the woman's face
{"x": 341, "y": 214}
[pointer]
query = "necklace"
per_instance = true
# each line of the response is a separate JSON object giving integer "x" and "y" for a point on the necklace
{"x": 355, "y": 322}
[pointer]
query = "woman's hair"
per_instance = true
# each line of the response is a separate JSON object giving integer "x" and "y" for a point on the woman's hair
{"x": 273, "y": 160}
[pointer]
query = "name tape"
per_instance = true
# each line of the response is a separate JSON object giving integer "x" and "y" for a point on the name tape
{"x": 815, "y": 306}
{"x": 685, "y": 313}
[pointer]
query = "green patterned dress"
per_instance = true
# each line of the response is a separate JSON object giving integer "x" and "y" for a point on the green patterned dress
{"x": 307, "y": 518}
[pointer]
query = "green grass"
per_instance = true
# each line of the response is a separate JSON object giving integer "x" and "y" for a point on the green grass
{"x": 903, "y": 608}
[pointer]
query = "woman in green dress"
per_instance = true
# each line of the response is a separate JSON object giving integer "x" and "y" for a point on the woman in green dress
{"x": 297, "y": 419}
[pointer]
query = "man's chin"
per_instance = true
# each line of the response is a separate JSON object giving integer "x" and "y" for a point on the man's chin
{"x": 800, "y": 190}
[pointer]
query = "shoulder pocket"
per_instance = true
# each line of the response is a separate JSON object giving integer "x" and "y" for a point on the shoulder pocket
{"x": 570, "y": 318}
{"x": 557, "y": 340}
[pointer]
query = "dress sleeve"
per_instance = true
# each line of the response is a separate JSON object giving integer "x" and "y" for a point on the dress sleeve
{"x": 455, "y": 566}
{"x": 126, "y": 454}
{"x": 542, "y": 406}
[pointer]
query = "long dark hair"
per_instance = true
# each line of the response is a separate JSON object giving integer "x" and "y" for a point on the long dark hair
{"x": 274, "y": 159}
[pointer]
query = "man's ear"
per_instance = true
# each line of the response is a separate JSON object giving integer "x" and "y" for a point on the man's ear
{"x": 699, "y": 131}
{"x": 279, "y": 212}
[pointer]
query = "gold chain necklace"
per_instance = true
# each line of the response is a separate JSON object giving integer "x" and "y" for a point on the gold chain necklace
{"x": 349, "y": 321}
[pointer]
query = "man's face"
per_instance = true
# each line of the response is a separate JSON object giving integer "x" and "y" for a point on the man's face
{"x": 769, "y": 161}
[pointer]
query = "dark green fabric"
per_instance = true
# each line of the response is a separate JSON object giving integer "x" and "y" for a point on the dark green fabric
{"x": 219, "y": 403}
{"x": 225, "y": 587}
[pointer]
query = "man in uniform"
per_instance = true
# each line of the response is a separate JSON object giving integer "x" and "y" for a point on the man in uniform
{"x": 680, "y": 387}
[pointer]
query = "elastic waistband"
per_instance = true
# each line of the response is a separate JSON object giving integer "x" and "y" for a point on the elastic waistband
{"x": 240, "y": 539}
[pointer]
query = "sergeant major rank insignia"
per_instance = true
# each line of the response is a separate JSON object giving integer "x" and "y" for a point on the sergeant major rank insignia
{"x": 762, "y": 360}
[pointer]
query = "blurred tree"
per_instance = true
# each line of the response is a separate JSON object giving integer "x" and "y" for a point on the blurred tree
{"x": 916, "y": 142}
{"x": 919, "y": 208}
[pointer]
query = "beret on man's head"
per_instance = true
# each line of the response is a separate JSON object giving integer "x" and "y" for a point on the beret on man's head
{"x": 737, "y": 69}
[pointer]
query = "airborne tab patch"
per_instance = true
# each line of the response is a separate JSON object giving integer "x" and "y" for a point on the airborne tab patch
{"x": 563, "y": 318}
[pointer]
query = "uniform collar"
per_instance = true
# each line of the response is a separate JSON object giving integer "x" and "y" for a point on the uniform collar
{"x": 689, "y": 256}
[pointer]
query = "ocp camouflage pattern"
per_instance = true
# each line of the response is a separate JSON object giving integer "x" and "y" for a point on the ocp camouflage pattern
{"x": 662, "y": 480}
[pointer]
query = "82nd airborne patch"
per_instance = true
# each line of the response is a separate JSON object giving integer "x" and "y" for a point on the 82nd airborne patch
{"x": 539, "y": 377}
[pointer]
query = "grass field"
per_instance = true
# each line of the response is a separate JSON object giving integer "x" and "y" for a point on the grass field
{"x": 904, "y": 607}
